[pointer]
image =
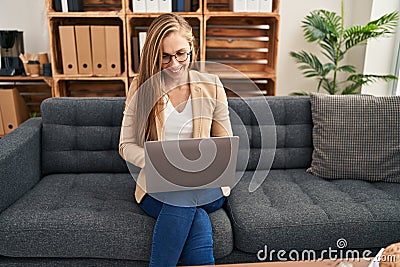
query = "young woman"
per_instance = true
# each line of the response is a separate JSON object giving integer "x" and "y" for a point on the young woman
{"x": 175, "y": 103}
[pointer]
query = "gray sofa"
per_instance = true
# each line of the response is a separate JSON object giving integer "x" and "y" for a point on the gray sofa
{"x": 67, "y": 198}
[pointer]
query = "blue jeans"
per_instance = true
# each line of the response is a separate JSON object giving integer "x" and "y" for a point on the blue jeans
{"x": 180, "y": 232}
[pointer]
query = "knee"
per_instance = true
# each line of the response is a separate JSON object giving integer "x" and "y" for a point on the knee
{"x": 201, "y": 222}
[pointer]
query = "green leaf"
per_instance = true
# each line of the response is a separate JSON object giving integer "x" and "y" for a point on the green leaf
{"x": 299, "y": 93}
{"x": 330, "y": 87}
{"x": 370, "y": 78}
{"x": 357, "y": 35}
{"x": 352, "y": 89}
{"x": 328, "y": 67}
{"x": 314, "y": 27}
{"x": 310, "y": 63}
{"x": 333, "y": 22}
{"x": 347, "y": 68}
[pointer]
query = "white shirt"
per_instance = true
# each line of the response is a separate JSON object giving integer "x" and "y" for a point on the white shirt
{"x": 178, "y": 125}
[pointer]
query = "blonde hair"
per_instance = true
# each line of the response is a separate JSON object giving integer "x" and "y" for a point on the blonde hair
{"x": 148, "y": 98}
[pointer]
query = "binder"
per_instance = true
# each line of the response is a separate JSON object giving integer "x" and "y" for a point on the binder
{"x": 239, "y": 5}
{"x": 57, "y": 5}
{"x": 64, "y": 5}
{"x": 265, "y": 6}
{"x": 178, "y": 5}
{"x": 83, "y": 49}
{"x": 252, "y": 6}
{"x": 165, "y": 6}
{"x": 139, "y": 6}
{"x": 75, "y": 5}
{"x": 152, "y": 6}
{"x": 113, "y": 50}
{"x": 142, "y": 39}
{"x": 187, "y": 6}
{"x": 195, "y": 5}
{"x": 99, "y": 59}
{"x": 136, "y": 57}
{"x": 13, "y": 109}
{"x": 68, "y": 50}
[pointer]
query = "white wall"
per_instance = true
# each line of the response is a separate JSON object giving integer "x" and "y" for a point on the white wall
{"x": 381, "y": 54}
{"x": 28, "y": 16}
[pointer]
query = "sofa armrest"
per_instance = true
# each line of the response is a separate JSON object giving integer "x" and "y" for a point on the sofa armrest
{"x": 20, "y": 161}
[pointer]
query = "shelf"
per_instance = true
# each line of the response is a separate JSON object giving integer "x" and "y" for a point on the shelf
{"x": 55, "y": 46}
{"x": 93, "y": 87}
{"x": 130, "y": 11}
{"x": 154, "y": 15}
{"x": 241, "y": 14}
{"x": 245, "y": 41}
{"x": 89, "y": 14}
{"x": 243, "y": 75}
{"x": 85, "y": 77}
{"x": 225, "y": 6}
{"x": 92, "y": 6}
{"x": 47, "y": 80}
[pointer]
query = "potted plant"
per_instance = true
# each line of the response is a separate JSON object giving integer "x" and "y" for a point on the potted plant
{"x": 335, "y": 41}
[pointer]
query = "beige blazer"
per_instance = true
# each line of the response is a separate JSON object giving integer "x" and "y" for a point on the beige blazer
{"x": 210, "y": 118}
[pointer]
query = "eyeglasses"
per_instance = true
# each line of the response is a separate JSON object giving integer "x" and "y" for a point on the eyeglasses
{"x": 179, "y": 56}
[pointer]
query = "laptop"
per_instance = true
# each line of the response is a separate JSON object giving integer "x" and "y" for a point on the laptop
{"x": 188, "y": 164}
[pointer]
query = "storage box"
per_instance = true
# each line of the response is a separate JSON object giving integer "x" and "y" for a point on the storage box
{"x": 13, "y": 110}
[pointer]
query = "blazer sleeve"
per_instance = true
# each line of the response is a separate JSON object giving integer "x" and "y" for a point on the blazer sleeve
{"x": 128, "y": 147}
{"x": 221, "y": 125}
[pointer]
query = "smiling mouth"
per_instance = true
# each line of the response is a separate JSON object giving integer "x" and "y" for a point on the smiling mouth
{"x": 176, "y": 70}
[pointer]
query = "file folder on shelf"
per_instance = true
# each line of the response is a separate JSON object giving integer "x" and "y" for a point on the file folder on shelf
{"x": 265, "y": 6}
{"x": 113, "y": 50}
{"x": 136, "y": 57}
{"x": 75, "y": 5}
{"x": 152, "y": 6}
{"x": 252, "y": 6}
{"x": 68, "y": 50}
{"x": 99, "y": 58}
{"x": 239, "y": 5}
{"x": 139, "y": 6}
{"x": 142, "y": 39}
{"x": 57, "y": 5}
{"x": 165, "y": 6}
{"x": 83, "y": 49}
{"x": 64, "y": 5}
{"x": 178, "y": 5}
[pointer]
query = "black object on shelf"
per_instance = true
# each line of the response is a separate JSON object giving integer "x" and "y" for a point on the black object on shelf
{"x": 47, "y": 70}
{"x": 72, "y": 5}
{"x": 75, "y": 5}
{"x": 11, "y": 46}
{"x": 57, "y": 5}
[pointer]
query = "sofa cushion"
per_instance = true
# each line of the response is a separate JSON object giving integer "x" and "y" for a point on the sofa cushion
{"x": 83, "y": 137}
{"x": 296, "y": 210}
{"x": 87, "y": 216}
{"x": 356, "y": 137}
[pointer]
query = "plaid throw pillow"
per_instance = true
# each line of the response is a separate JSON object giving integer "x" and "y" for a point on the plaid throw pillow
{"x": 356, "y": 137}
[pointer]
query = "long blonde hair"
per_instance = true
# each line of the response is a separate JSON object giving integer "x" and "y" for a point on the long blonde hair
{"x": 150, "y": 65}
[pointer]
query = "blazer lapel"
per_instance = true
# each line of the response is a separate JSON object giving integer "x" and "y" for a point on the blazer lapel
{"x": 197, "y": 109}
{"x": 160, "y": 121}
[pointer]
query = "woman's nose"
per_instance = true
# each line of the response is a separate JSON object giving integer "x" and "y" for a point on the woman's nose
{"x": 174, "y": 61}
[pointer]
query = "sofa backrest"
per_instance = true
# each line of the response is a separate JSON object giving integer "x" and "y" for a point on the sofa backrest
{"x": 293, "y": 124}
{"x": 82, "y": 134}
